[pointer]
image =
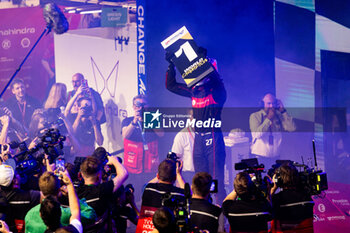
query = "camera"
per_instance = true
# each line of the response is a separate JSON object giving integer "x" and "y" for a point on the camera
{"x": 51, "y": 141}
{"x": 87, "y": 110}
{"x": 129, "y": 188}
{"x": 314, "y": 181}
{"x": 311, "y": 180}
{"x": 13, "y": 145}
{"x": 251, "y": 166}
{"x": 172, "y": 156}
{"x": 179, "y": 206}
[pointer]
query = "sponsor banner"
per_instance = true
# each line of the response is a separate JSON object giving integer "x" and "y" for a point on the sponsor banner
{"x": 141, "y": 46}
{"x": 114, "y": 16}
{"x": 145, "y": 223}
{"x": 332, "y": 210}
{"x": 175, "y": 119}
{"x": 192, "y": 66}
{"x": 19, "y": 30}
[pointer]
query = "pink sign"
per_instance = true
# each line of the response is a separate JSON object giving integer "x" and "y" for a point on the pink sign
{"x": 332, "y": 212}
{"x": 19, "y": 30}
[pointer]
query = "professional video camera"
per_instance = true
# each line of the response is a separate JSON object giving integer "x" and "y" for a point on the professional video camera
{"x": 181, "y": 208}
{"x": 313, "y": 181}
{"x": 51, "y": 141}
{"x": 252, "y": 166}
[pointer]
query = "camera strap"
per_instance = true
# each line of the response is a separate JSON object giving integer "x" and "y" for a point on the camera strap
{"x": 145, "y": 146}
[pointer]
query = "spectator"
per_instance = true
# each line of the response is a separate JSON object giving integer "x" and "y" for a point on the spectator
{"x": 50, "y": 186}
{"x": 50, "y": 209}
{"x": 267, "y": 126}
{"x": 19, "y": 201}
{"x": 204, "y": 215}
{"x": 21, "y": 107}
{"x": 245, "y": 208}
{"x": 57, "y": 97}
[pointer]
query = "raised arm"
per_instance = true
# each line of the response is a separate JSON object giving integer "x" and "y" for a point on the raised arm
{"x": 258, "y": 125}
{"x": 122, "y": 173}
{"x": 72, "y": 196}
{"x": 173, "y": 86}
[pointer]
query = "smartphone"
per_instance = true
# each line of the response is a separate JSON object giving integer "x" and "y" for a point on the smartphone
{"x": 84, "y": 83}
{"x": 60, "y": 164}
{"x": 214, "y": 186}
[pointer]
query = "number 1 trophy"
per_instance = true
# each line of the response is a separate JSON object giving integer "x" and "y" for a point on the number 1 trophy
{"x": 193, "y": 67}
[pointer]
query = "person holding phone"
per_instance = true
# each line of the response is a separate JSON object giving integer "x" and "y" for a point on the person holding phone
{"x": 204, "y": 214}
{"x": 81, "y": 88}
{"x": 266, "y": 127}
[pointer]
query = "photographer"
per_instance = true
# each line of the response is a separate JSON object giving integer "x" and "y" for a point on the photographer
{"x": 99, "y": 195}
{"x": 153, "y": 195}
{"x": 81, "y": 87}
{"x": 5, "y": 122}
{"x": 39, "y": 126}
{"x": 140, "y": 147}
{"x": 121, "y": 211}
{"x": 86, "y": 128}
{"x": 293, "y": 206}
{"x": 204, "y": 215}
{"x": 245, "y": 208}
{"x": 19, "y": 201}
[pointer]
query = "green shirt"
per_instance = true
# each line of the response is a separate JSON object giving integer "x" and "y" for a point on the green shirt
{"x": 34, "y": 223}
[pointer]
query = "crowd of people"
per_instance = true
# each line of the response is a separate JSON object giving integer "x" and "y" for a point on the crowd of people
{"x": 93, "y": 198}
{"x": 87, "y": 193}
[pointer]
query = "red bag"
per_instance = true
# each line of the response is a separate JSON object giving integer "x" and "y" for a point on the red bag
{"x": 133, "y": 156}
{"x": 151, "y": 157}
